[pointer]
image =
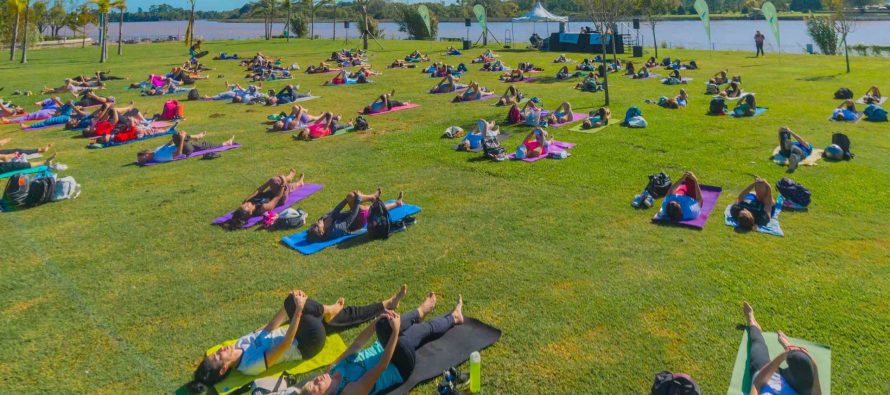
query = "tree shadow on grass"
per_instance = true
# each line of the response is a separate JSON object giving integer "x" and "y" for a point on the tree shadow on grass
{"x": 820, "y": 78}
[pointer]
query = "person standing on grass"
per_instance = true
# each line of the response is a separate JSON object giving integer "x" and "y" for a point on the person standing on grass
{"x": 758, "y": 40}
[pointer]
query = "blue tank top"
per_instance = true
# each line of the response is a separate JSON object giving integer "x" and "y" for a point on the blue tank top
{"x": 355, "y": 366}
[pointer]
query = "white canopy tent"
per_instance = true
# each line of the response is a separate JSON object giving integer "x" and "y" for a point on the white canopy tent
{"x": 538, "y": 14}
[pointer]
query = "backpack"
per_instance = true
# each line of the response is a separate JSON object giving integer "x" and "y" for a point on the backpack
{"x": 40, "y": 191}
{"x": 194, "y": 95}
{"x": 717, "y": 106}
{"x": 361, "y": 123}
{"x": 637, "y": 122}
{"x": 16, "y": 190}
{"x": 659, "y": 184}
{"x": 843, "y": 94}
{"x": 379, "y": 225}
{"x": 844, "y": 142}
{"x": 632, "y": 112}
{"x": 667, "y": 383}
{"x": 794, "y": 192}
{"x": 712, "y": 89}
{"x": 666, "y": 61}
{"x": 514, "y": 116}
{"x": 66, "y": 188}
{"x": 172, "y": 110}
{"x": 875, "y": 113}
{"x": 491, "y": 147}
{"x": 290, "y": 219}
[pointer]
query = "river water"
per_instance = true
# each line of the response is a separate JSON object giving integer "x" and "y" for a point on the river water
{"x": 726, "y": 35}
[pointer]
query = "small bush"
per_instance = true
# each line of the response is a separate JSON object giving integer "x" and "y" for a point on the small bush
{"x": 298, "y": 26}
{"x": 862, "y": 50}
{"x": 877, "y": 50}
{"x": 821, "y": 30}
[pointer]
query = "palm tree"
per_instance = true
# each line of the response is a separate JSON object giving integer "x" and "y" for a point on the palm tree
{"x": 25, "y": 36}
{"x": 120, "y": 5}
{"x": 15, "y": 6}
{"x": 190, "y": 29}
{"x": 104, "y": 7}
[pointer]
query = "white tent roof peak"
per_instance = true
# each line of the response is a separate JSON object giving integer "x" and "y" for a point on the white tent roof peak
{"x": 540, "y": 14}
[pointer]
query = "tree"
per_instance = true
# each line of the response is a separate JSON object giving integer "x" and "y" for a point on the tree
{"x": 821, "y": 30}
{"x": 80, "y": 19}
{"x": 40, "y": 15}
{"x": 104, "y": 8}
{"x": 25, "y": 36}
{"x": 56, "y": 17}
{"x": 16, "y": 7}
{"x": 843, "y": 25}
{"x": 190, "y": 29}
{"x": 652, "y": 10}
{"x": 313, "y": 7}
{"x": 120, "y": 5}
{"x": 288, "y": 25}
{"x": 605, "y": 14}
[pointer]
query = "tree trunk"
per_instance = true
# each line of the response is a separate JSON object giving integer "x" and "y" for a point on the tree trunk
{"x": 120, "y": 35}
{"x": 312, "y": 23}
{"x": 192, "y": 22}
{"x": 83, "y": 44}
{"x": 287, "y": 27}
{"x": 334, "y": 37}
{"x": 367, "y": 31}
{"x": 25, "y": 36}
{"x": 606, "y": 72}
{"x": 654, "y": 41}
{"x": 105, "y": 39}
{"x": 15, "y": 37}
{"x": 846, "y": 53}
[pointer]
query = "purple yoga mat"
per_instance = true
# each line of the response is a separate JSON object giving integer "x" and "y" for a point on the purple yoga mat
{"x": 709, "y": 195}
{"x": 197, "y": 153}
{"x": 555, "y": 146}
{"x": 460, "y": 89}
{"x": 486, "y": 97}
{"x": 295, "y": 196}
{"x": 576, "y": 116}
{"x": 527, "y": 79}
{"x": 394, "y": 109}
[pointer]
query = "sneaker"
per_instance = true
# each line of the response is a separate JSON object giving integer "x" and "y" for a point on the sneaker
{"x": 637, "y": 201}
{"x": 58, "y": 166}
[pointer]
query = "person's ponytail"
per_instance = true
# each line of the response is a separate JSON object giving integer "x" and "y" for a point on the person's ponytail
{"x": 196, "y": 387}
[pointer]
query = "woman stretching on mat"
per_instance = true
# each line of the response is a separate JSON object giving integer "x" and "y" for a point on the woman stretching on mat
{"x": 511, "y": 96}
{"x": 309, "y": 323}
{"x": 496, "y": 65}
{"x": 338, "y": 223}
{"x": 271, "y": 194}
{"x": 845, "y": 112}
{"x": 673, "y": 103}
{"x": 651, "y": 62}
{"x": 801, "y": 376}
{"x": 9, "y": 109}
{"x": 383, "y": 103}
{"x": 734, "y": 90}
{"x": 48, "y": 109}
{"x": 795, "y": 151}
{"x": 528, "y": 67}
{"x": 324, "y": 126}
{"x": 720, "y": 78}
{"x": 597, "y": 118}
{"x": 473, "y": 139}
{"x": 23, "y": 151}
{"x": 73, "y": 87}
{"x": 473, "y": 92}
{"x": 562, "y": 59}
{"x": 321, "y": 68}
{"x": 15, "y": 162}
{"x": 299, "y": 117}
{"x": 286, "y": 95}
{"x": 684, "y": 200}
{"x": 563, "y": 73}
{"x": 562, "y": 114}
{"x": 642, "y": 74}
{"x": 872, "y": 95}
{"x": 515, "y": 75}
{"x": 674, "y": 78}
{"x": 181, "y": 144}
{"x": 589, "y": 84}
{"x": 448, "y": 84}
{"x": 401, "y": 64}
{"x": 389, "y": 362}
{"x": 754, "y": 205}
{"x": 536, "y": 144}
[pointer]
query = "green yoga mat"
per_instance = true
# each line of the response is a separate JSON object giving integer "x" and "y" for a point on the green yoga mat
{"x": 333, "y": 348}
{"x": 741, "y": 373}
{"x": 580, "y": 128}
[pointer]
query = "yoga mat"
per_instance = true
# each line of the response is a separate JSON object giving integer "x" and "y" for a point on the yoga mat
{"x": 771, "y": 228}
{"x": 197, "y": 153}
{"x": 38, "y": 169}
{"x": 302, "y": 99}
{"x": 325, "y": 72}
{"x": 709, "y": 195}
{"x": 406, "y": 106}
{"x": 336, "y": 133}
{"x": 651, "y": 75}
{"x": 758, "y": 111}
{"x": 862, "y": 100}
{"x": 460, "y": 87}
{"x": 684, "y": 79}
{"x": 300, "y": 242}
{"x": 452, "y": 349}
{"x": 501, "y": 137}
{"x": 576, "y": 116}
{"x": 292, "y": 198}
{"x": 740, "y": 384}
{"x": 527, "y": 79}
{"x": 580, "y": 128}
{"x": 555, "y": 146}
{"x": 333, "y": 348}
{"x": 811, "y": 160}
{"x": 113, "y": 144}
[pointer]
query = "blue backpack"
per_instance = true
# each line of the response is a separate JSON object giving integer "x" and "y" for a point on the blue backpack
{"x": 634, "y": 111}
{"x": 875, "y": 113}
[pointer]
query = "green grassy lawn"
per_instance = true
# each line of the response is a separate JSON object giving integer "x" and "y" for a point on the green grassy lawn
{"x": 121, "y": 290}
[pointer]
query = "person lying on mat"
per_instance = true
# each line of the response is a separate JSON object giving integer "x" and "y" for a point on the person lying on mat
{"x": 674, "y": 78}
{"x": 720, "y": 78}
{"x": 643, "y": 73}
{"x": 684, "y": 200}
{"x": 497, "y": 65}
{"x": 416, "y": 56}
{"x": 308, "y": 324}
{"x": 449, "y": 83}
{"x": 401, "y": 64}
{"x": 536, "y": 143}
{"x": 16, "y": 161}
{"x": 299, "y": 117}
{"x": 511, "y": 96}
{"x": 473, "y": 92}
{"x": 793, "y": 147}
{"x": 528, "y": 67}
{"x": 343, "y": 78}
{"x": 746, "y": 107}
{"x": 589, "y": 84}
{"x": 171, "y": 87}
{"x": 389, "y": 361}
{"x": 630, "y": 69}
{"x": 267, "y": 197}
{"x": 651, "y": 62}
{"x": 73, "y": 87}
{"x": 99, "y": 76}
{"x": 733, "y": 90}
{"x": 514, "y": 75}
{"x": 9, "y": 109}
{"x": 338, "y": 223}
{"x": 585, "y": 65}
{"x": 88, "y": 98}
{"x": 23, "y": 151}
{"x": 872, "y": 95}
{"x": 846, "y": 111}
{"x": 673, "y": 103}
{"x": 473, "y": 139}
{"x": 286, "y": 95}
{"x": 235, "y": 90}
{"x": 48, "y": 109}
{"x": 754, "y": 206}
{"x": 531, "y": 113}
{"x": 768, "y": 377}
{"x": 321, "y": 68}
{"x": 452, "y": 51}
{"x": 597, "y": 118}
{"x": 561, "y": 59}
{"x": 180, "y": 144}
{"x": 563, "y": 73}
{"x": 562, "y": 114}
{"x": 60, "y": 116}
{"x": 383, "y": 103}
{"x": 324, "y": 126}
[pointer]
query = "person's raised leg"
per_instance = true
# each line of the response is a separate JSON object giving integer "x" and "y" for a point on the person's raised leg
{"x": 397, "y": 203}
{"x": 352, "y": 316}
{"x": 758, "y": 354}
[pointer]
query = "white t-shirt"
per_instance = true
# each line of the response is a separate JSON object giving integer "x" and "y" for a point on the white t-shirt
{"x": 164, "y": 153}
{"x": 254, "y": 347}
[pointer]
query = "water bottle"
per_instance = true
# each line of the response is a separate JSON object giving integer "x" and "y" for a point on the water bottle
{"x": 475, "y": 372}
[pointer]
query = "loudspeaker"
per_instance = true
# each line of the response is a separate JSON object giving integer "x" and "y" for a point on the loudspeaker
{"x": 468, "y": 22}
{"x": 346, "y": 24}
{"x": 637, "y": 23}
{"x": 638, "y": 51}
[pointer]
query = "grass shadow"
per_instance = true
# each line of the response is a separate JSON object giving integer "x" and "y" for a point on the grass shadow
{"x": 820, "y": 78}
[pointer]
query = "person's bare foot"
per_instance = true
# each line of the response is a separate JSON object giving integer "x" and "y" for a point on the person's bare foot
{"x": 428, "y": 304}
{"x": 230, "y": 141}
{"x": 393, "y": 92}
{"x": 783, "y": 340}
{"x": 49, "y": 160}
{"x": 458, "y": 313}
{"x": 300, "y": 180}
{"x": 399, "y": 200}
{"x": 331, "y": 310}
{"x": 44, "y": 148}
{"x": 749, "y": 315}
{"x": 202, "y": 134}
{"x": 378, "y": 193}
{"x": 393, "y": 302}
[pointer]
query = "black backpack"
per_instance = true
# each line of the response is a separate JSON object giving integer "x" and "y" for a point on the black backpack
{"x": 843, "y": 94}
{"x": 659, "y": 185}
{"x": 40, "y": 191}
{"x": 794, "y": 192}
{"x": 667, "y": 383}
{"x": 379, "y": 225}
{"x": 16, "y": 190}
{"x": 361, "y": 123}
{"x": 718, "y": 106}
{"x": 492, "y": 149}
{"x": 844, "y": 142}
{"x": 194, "y": 95}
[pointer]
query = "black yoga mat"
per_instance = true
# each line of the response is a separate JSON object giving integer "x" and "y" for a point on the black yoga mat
{"x": 452, "y": 349}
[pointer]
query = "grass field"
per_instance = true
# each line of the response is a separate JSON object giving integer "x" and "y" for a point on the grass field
{"x": 121, "y": 290}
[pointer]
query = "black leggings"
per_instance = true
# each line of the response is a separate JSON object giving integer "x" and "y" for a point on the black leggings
{"x": 412, "y": 334}
{"x": 798, "y": 374}
{"x": 312, "y": 331}
{"x": 21, "y": 151}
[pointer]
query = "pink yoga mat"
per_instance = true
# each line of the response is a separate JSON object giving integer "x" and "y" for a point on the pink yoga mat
{"x": 576, "y": 116}
{"x": 394, "y": 109}
{"x": 197, "y": 153}
{"x": 295, "y": 196}
{"x": 709, "y": 195}
{"x": 555, "y": 146}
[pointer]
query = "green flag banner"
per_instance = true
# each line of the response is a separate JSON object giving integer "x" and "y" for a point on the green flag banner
{"x": 772, "y": 18}
{"x": 479, "y": 10}
{"x": 702, "y": 8}
{"x": 425, "y": 15}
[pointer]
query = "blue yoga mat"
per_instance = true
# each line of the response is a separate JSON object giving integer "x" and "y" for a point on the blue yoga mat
{"x": 758, "y": 111}
{"x": 300, "y": 242}
{"x": 771, "y": 228}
